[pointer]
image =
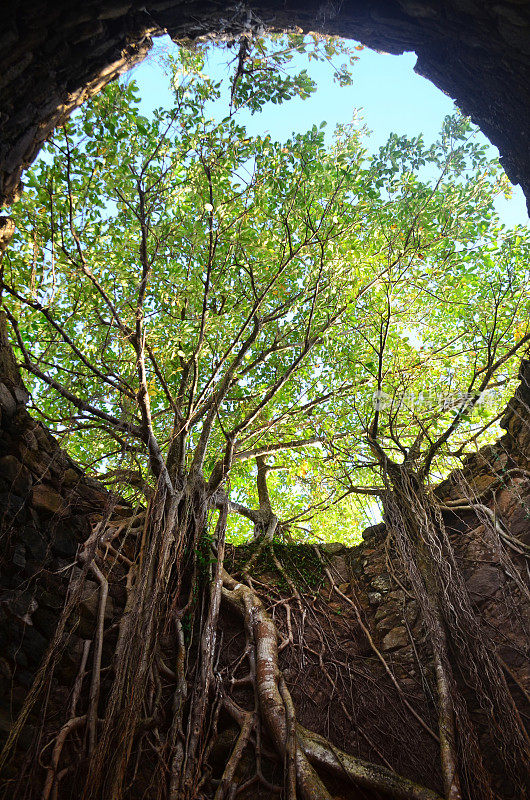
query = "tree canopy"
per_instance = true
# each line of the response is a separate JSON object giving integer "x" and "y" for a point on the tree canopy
{"x": 282, "y": 334}
{"x": 187, "y": 297}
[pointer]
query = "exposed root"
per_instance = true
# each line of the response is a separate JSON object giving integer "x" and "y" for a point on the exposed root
{"x": 297, "y": 746}
{"x": 51, "y": 777}
{"x": 291, "y": 743}
{"x": 165, "y": 696}
{"x": 226, "y": 786}
{"x": 362, "y": 773}
{"x": 272, "y": 706}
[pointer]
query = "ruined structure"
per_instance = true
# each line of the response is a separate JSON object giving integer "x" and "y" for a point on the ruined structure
{"x": 356, "y": 664}
{"x": 353, "y": 649}
{"x": 55, "y": 54}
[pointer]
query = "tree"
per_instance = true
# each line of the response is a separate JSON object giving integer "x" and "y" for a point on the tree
{"x": 188, "y": 301}
{"x": 426, "y": 404}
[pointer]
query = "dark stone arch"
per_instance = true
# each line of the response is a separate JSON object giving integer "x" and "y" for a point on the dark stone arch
{"x": 55, "y": 53}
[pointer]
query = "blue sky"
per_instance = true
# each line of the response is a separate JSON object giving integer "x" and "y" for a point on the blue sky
{"x": 386, "y": 93}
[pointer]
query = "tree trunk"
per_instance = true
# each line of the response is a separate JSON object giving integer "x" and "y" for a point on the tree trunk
{"x": 454, "y": 631}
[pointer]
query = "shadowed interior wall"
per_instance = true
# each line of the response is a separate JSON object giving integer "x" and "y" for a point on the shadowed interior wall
{"x": 48, "y": 508}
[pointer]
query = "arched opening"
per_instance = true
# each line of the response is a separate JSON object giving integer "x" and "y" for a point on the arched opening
{"x": 256, "y": 630}
{"x": 55, "y": 57}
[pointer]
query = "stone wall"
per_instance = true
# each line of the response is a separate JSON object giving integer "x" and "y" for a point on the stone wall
{"x": 55, "y": 54}
{"x": 48, "y": 508}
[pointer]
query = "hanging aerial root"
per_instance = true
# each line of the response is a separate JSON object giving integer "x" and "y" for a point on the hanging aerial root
{"x": 136, "y": 649}
{"x": 98, "y": 651}
{"x": 424, "y": 546}
{"x": 376, "y": 651}
{"x": 265, "y": 637}
{"x": 45, "y": 672}
{"x": 200, "y": 696}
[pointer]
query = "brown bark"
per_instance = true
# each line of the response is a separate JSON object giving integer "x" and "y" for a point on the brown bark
{"x": 272, "y": 706}
{"x": 362, "y": 773}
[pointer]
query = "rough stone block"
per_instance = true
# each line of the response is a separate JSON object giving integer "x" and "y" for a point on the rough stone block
{"x": 484, "y": 582}
{"x": 44, "y": 498}
{"x": 16, "y": 475}
{"x": 397, "y": 637}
